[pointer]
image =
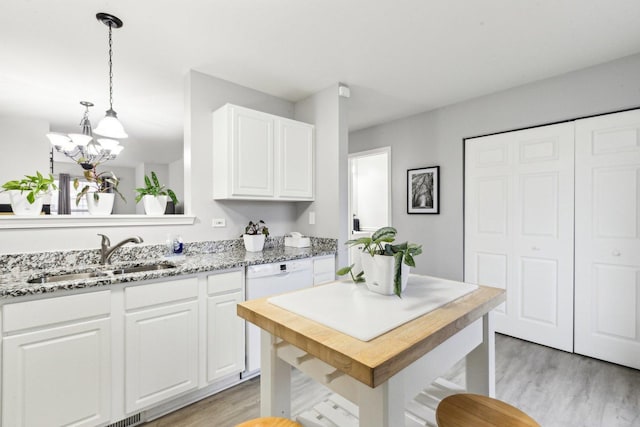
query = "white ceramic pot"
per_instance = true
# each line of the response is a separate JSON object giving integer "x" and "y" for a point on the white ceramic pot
{"x": 154, "y": 205}
{"x": 378, "y": 273}
{"x": 253, "y": 242}
{"x": 21, "y": 206}
{"x": 102, "y": 206}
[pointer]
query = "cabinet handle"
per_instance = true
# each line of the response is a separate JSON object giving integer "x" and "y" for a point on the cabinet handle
{"x": 615, "y": 252}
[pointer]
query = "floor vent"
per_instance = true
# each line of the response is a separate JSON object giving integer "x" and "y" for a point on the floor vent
{"x": 133, "y": 420}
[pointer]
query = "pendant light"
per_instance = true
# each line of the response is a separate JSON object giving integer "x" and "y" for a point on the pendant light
{"x": 110, "y": 126}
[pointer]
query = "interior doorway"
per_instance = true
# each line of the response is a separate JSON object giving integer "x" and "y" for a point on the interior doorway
{"x": 369, "y": 194}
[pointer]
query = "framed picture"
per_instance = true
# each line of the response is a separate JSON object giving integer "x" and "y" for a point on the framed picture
{"x": 423, "y": 190}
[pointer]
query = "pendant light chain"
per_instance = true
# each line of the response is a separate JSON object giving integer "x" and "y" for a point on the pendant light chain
{"x": 110, "y": 70}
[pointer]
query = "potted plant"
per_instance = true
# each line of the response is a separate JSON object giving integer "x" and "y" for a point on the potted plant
{"x": 99, "y": 192}
{"x": 254, "y": 235}
{"x": 27, "y": 194}
{"x": 154, "y": 196}
{"x": 385, "y": 266}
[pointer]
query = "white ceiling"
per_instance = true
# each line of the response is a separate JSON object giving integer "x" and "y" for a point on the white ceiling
{"x": 399, "y": 57}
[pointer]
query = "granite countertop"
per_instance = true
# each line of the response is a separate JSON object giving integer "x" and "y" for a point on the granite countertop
{"x": 15, "y": 283}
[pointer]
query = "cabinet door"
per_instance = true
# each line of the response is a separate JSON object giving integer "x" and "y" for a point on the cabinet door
{"x": 161, "y": 354}
{"x": 225, "y": 336}
{"x": 58, "y": 376}
{"x": 252, "y": 147}
{"x": 295, "y": 159}
{"x": 324, "y": 270}
{"x": 519, "y": 229}
{"x": 607, "y": 296}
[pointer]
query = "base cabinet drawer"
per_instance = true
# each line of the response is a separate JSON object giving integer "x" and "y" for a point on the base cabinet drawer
{"x": 58, "y": 376}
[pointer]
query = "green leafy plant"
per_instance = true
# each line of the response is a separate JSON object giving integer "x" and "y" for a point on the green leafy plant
{"x": 153, "y": 188}
{"x": 34, "y": 185}
{"x": 98, "y": 182}
{"x": 380, "y": 244}
{"x": 256, "y": 228}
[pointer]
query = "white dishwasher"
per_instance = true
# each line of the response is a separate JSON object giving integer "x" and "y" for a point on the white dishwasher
{"x": 270, "y": 279}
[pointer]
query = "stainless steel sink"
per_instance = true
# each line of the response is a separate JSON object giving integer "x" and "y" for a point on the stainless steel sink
{"x": 50, "y": 278}
{"x": 140, "y": 268}
{"x": 63, "y": 277}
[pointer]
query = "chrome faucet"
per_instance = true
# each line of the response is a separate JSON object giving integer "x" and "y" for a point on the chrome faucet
{"x": 106, "y": 251}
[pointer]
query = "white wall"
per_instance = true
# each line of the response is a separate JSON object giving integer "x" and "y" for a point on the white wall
{"x": 176, "y": 182}
{"x": 435, "y": 138}
{"x": 22, "y": 139}
{"x": 328, "y": 111}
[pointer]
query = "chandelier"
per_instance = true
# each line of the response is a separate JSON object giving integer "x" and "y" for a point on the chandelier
{"x": 82, "y": 147}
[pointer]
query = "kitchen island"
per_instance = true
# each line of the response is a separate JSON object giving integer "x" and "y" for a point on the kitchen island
{"x": 381, "y": 376}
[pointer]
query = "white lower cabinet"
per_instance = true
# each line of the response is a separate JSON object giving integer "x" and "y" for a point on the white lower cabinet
{"x": 99, "y": 357}
{"x": 56, "y": 361}
{"x": 225, "y": 330}
{"x": 324, "y": 269}
{"x": 161, "y": 345}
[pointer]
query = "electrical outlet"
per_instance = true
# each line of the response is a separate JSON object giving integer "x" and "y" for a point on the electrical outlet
{"x": 312, "y": 218}
{"x": 219, "y": 222}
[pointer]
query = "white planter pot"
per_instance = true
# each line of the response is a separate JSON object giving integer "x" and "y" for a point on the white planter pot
{"x": 378, "y": 273}
{"x": 102, "y": 206}
{"x": 21, "y": 206}
{"x": 253, "y": 242}
{"x": 154, "y": 205}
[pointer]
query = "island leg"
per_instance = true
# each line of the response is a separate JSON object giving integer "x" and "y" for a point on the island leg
{"x": 275, "y": 380}
{"x": 480, "y": 362}
{"x": 382, "y": 406}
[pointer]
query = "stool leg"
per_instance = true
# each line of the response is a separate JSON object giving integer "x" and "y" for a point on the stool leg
{"x": 481, "y": 362}
{"x": 275, "y": 380}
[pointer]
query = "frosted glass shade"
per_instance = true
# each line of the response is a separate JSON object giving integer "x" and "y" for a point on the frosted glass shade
{"x": 111, "y": 127}
{"x": 57, "y": 139}
{"x": 108, "y": 144}
{"x": 80, "y": 139}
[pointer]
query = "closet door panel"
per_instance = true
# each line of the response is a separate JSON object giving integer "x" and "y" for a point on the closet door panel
{"x": 519, "y": 193}
{"x": 607, "y": 294}
{"x": 488, "y": 190}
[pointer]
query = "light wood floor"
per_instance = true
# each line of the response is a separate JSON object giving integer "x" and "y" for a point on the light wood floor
{"x": 557, "y": 389}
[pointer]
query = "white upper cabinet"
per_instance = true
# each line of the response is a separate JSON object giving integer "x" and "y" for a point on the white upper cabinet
{"x": 294, "y": 164}
{"x": 259, "y": 156}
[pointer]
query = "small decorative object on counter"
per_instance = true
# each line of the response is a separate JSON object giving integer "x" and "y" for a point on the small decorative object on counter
{"x": 297, "y": 240}
{"x": 154, "y": 196}
{"x": 99, "y": 191}
{"x": 254, "y": 236}
{"x": 386, "y": 270}
{"x": 175, "y": 245}
{"x": 27, "y": 194}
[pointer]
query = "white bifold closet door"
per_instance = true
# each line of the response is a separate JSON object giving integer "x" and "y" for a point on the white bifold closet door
{"x": 607, "y": 257}
{"x": 519, "y": 229}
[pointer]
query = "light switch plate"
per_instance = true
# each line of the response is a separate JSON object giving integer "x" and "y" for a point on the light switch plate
{"x": 219, "y": 222}
{"x": 312, "y": 218}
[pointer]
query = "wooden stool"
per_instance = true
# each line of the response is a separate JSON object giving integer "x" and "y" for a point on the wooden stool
{"x": 269, "y": 422}
{"x": 474, "y": 410}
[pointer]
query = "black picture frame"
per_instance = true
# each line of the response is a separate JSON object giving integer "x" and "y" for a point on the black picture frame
{"x": 423, "y": 190}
